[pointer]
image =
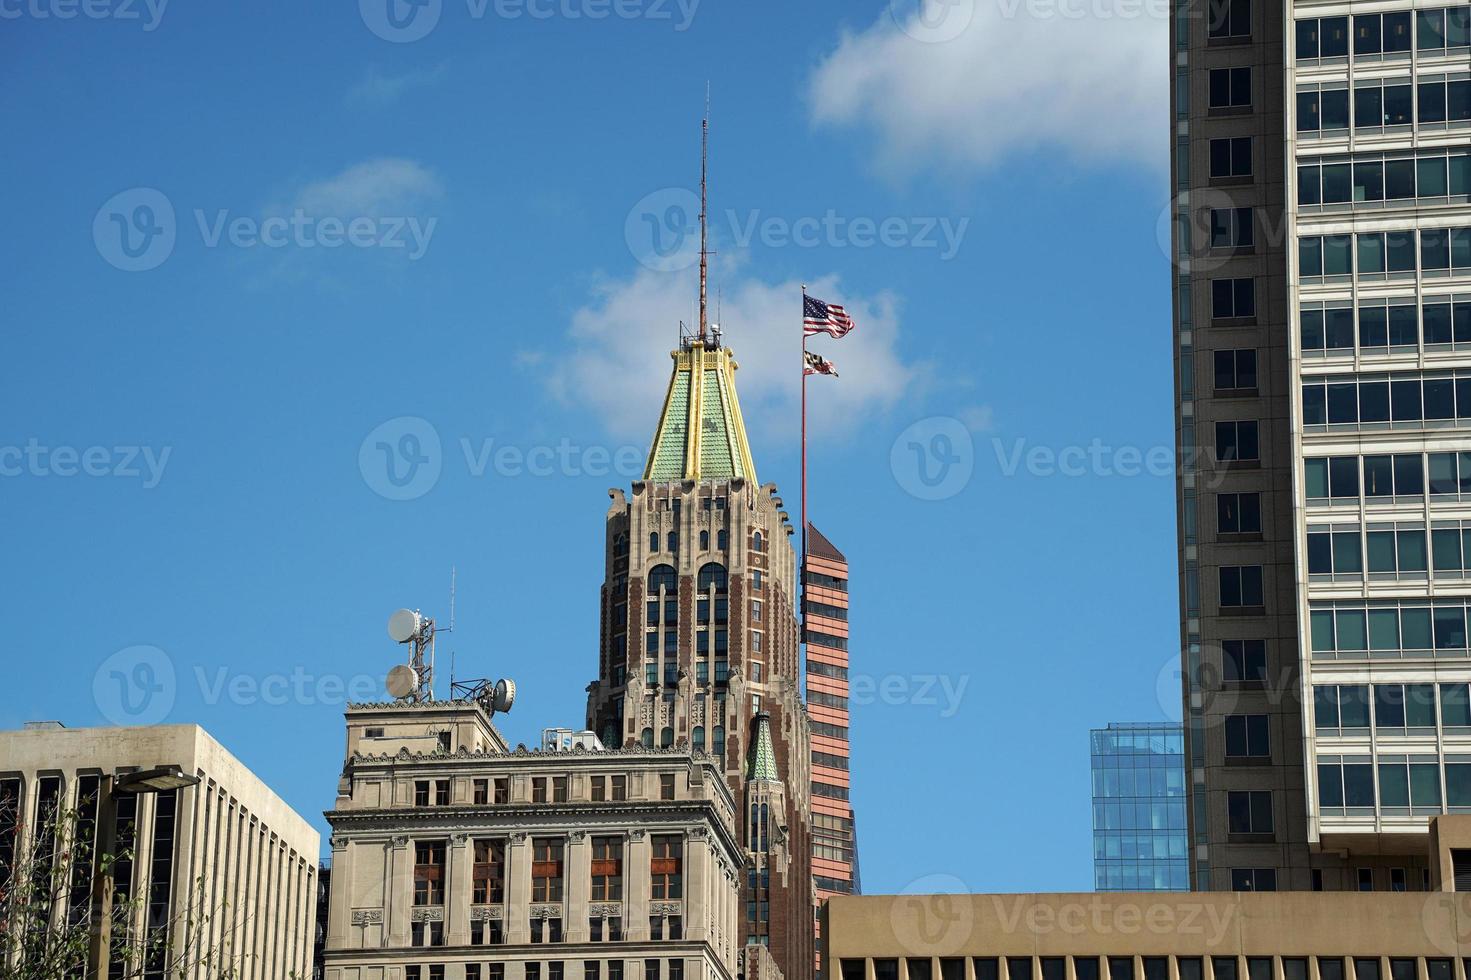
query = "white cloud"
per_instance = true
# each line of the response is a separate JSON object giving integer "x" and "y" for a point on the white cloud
{"x": 1002, "y": 77}
{"x": 379, "y": 88}
{"x": 622, "y": 339}
{"x": 384, "y": 187}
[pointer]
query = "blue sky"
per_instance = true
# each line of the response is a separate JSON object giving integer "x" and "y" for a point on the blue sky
{"x": 337, "y": 237}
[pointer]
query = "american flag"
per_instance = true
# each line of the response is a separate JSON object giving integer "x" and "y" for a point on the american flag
{"x": 820, "y": 317}
{"x": 817, "y": 364}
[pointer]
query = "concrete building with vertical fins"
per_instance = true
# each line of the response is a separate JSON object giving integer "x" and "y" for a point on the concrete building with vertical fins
{"x": 223, "y": 869}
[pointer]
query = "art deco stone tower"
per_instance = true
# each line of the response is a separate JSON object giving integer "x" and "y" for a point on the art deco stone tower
{"x": 699, "y": 642}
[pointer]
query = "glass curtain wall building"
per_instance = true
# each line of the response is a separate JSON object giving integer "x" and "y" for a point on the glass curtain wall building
{"x": 1139, "y": 833}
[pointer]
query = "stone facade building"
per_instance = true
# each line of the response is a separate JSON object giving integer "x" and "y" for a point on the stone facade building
{"x": 700, "y": 644}
{"x": 455, "y": 857}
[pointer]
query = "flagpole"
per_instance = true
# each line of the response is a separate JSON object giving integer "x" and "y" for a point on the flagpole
{"x": 803, "y": 566}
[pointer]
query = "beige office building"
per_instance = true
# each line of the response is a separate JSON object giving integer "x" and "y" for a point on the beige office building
{"x": 1341, "y": 935}
{"x": 455, "y": 857}
{"x": 223, "y": 869}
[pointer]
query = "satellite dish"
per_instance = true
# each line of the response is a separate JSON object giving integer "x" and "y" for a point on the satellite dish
{"x": 402, "y": 681}
{"x": 505, "y": 694}
{"x": 403, "y": 625}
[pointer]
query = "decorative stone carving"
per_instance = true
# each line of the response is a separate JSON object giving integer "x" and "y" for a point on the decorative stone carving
{"x": 429, "y": 913}
{"x": 546, "y": 911}
{"x": 666, "y": 908}
{"x": 605, "y": 909}
{"x": 459, "y": 839}
{"x": 637, "y": 833}
{"x": 579, "y": 835}
{"x": 519, "y": 837}
{"x": 483, "y": 913}
{"x": 400, "y": 840}
{"x": 362, "y": 917}
{"x": 698, "y": 833}
{"x": 338, "y": 841}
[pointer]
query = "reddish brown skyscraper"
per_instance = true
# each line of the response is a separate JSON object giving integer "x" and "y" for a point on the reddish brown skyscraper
{"x": 834, "y": 837}
{"x": 701, "y": 645}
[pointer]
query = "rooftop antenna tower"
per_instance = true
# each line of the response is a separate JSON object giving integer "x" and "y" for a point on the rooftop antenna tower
{"x": 412, "y": 681}
{"x": 704, "y": 213}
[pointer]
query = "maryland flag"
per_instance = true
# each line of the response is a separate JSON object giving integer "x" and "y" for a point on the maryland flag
{"x": 816, "y": 364}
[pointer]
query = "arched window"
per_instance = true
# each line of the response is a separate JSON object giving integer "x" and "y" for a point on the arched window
{"x": 756, "y": 541}
{"x": 712, "y": 577}
{"x": 648, "y": 738}
{"x": 620, "y": 545}
{"x": 722, "y": 540}
{"x": 610, "y": 734}
{"x": 663, "y": 577}
{"x": 717, "y": 737}
{"x": 674, "y": 541}
{"x": 697, "y": 738}
{"x": 666, "y": 738}
{"x": 704, "y": 540}
{"x": 654, "y": 542}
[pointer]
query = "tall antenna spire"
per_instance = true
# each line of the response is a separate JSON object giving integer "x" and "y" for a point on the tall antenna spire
{"x": 704, "y": 215}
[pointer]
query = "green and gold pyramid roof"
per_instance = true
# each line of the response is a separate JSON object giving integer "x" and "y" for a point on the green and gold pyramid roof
{"x": 701, "y": 434}
{"x": 761, "y": 766}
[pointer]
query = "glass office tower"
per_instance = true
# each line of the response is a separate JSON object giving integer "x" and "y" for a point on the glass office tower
{"x": 1139, "y": 834}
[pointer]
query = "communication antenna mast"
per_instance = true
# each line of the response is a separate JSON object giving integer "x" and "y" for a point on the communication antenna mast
{"x": 412, "y": 681}
{"x": 704, "y": 212}
{"x": 451, "y": 600}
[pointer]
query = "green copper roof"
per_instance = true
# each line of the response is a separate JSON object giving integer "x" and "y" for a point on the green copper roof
{"x": 762, "y": 765}
{"x": 701, "y": 434}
